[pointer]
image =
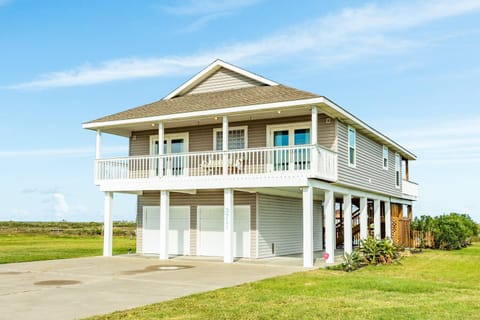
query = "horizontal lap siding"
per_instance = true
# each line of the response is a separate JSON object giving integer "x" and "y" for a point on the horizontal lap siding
{"x": 280, "y": 221}
{"x": 224, "y": 79}
{"x": 202, "y": 198}
{"x": 369, "y": 164}
{"x": 201, "y": 137}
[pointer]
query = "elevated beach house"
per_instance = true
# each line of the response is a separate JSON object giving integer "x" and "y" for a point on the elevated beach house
{"x": 231, "y": 164}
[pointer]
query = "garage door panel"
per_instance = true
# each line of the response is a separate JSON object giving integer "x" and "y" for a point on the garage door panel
{"x": 178, "y": 233}
{"x": 210, "y": 235}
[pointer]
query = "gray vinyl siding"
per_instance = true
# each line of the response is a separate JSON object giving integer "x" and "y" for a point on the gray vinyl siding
{"x": 368, "y": 172}
{"x": 201, "y": 198}
{"x": 201, "y": 137}
{"x": 224, "y": 79}
{"x": 280, "y": 221}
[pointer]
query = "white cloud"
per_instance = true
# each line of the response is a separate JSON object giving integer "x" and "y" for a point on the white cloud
{"x": 353, "y": 33}
{"x": 61, "y": 208}
{"x": 207, "y": 10}
{"x": 82, "y": 151}
{"x": 444, "y": 141}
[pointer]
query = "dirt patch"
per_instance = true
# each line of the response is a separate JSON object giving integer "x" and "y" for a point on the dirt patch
{"x": 154, "y": 268}
{"x": 57, "y": 283}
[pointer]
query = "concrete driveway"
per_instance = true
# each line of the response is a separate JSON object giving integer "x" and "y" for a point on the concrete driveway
{"x": 77, "y": 288}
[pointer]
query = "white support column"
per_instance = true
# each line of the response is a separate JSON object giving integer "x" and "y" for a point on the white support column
{"x": 308, "y": 227}
{"x": 107, "y": 225}
{"x": 377, "y": 227}
{"x": 98, "y": 154}
{"x": 98, "y": 149}
{"x": 314, "y": 133}
{"x": 330, "y": 232}
{"x": 363, "y": 218}
{"x": 225, "y": 143}
{"x": 347, "y": 223}
{"x": 388, "y": 220}
{"x": 164, "y": 223}
{"x": 161, "y": 138}
{"x": 314, "y": 141}
{"x": 228, "y": 225}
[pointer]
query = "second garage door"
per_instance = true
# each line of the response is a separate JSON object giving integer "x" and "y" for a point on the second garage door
{"x": 210, "y": 231}
{"x": 178, "y": 233}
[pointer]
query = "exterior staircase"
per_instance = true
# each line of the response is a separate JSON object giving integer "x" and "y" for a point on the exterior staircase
{"x": 355, "y": 229}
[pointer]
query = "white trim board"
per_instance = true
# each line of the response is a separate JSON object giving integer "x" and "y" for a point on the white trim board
{"x": 212, "y": 68}
{"x": 328, "y": 107}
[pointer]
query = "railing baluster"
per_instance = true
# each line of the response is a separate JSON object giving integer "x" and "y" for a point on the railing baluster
{"x": 272, "y": 160}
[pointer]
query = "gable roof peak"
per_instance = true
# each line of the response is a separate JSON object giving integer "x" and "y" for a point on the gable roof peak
{"x": 210, "y": 70}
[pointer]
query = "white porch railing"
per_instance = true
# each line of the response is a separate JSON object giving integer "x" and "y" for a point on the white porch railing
{"x": 410, "y": 188}
{"x": 309, "y": 160}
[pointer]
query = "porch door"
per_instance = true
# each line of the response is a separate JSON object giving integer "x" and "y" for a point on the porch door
{"x": 285, "y": 158}
{"x": 174, "y": 145}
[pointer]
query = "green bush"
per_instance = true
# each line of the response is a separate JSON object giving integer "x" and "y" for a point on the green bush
{"x": 454, "y": 231}
{"x": 378, "y": 251}
{"x": 352, "y": 261}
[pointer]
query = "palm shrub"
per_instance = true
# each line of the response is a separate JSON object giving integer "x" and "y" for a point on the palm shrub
{"x": 352, "y": 261}
{"x": 378, "y": 251}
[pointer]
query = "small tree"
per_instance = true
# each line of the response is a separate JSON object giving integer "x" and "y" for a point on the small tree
{"x": 454, "y": 231}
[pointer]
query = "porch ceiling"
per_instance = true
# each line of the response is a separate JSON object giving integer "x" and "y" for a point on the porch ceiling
{"x": 126, "y": 130}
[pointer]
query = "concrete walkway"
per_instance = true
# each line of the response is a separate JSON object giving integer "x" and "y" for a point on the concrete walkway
{"x": 77, "y": 288}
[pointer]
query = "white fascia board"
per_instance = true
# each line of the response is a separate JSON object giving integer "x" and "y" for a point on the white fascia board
{"x": 345, "y": 190}
{"x": 363, "y": 125}
{"x": 210, "y": 69}
{"x": 401, "y": 201}
{"x": 204, "y": 113}
{"x": 257, "y": 107}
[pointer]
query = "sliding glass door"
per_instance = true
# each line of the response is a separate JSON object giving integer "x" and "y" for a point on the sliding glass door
{"x": 285, "y": 158}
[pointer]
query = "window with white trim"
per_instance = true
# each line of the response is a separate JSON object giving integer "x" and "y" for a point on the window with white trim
{"x": 397, "y": 170}
{"x": 352, "y": 147}
{"x": 237, "y": 138}
{"x": 385, "y": 157}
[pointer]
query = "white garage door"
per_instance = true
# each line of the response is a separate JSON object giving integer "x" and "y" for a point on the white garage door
{"x": 210, "y": 231}
{"x": 178, "y": 233}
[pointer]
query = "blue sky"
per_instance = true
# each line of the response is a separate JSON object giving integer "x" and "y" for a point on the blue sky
{"x": 408, "y": 68}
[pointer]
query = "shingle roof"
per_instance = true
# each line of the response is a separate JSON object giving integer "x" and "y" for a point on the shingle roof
{"x": 212, "y": 100}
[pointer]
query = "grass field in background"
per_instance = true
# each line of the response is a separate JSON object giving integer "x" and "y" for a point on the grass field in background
{"x": 429, "y": 285}
{"x": 33, "y": 241}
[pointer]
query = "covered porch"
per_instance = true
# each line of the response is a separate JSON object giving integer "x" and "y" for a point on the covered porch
{"x": 317, "y": 226}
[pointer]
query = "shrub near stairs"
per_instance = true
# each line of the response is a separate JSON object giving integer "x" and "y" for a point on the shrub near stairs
{"x": 371, "y": 251}
{"x": 378, "y": 251}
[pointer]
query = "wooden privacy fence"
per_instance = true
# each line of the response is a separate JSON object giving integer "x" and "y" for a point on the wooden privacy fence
{"x": 416, "y": 239}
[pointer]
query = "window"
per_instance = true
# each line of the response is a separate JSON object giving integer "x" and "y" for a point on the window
{"x": 352, "y": 147}
{"x": 290, "y": 134}
{"x": 385, "y": 157}
{"x": 237, "y": 138}
{"x": 397, "y": 170}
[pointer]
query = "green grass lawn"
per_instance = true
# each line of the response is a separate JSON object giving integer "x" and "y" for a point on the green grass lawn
{"x": 430, "y": 285}
{"x": 33, "y": 247}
